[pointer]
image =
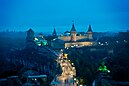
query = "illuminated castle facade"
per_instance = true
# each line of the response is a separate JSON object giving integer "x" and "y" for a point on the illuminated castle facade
{"x": 73, "y": 38}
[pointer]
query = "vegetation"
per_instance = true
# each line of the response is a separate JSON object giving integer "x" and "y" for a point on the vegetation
{"x": 120, "y": 63}
{"x": 85, "y": 63}
{"x": 14, "y": 57}
{"x": 88, "y": 59}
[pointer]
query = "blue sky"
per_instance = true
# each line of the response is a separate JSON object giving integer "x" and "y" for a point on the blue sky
{"x": 44, "y": 15}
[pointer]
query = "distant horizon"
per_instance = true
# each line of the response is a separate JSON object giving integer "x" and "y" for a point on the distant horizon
{"x": 59, "y": 29}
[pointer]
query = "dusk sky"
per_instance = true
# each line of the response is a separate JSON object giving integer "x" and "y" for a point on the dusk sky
{"x": 44, "y": 15}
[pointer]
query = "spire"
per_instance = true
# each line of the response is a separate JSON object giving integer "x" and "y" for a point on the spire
{"x": 89, "y": 29}
{"x": 54, "y": 32}
{"x": 73, "y": 27}
{"x": 30, "y": 30}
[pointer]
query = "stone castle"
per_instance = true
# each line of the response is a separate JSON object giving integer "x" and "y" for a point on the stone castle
{"x": 73, "y": 38}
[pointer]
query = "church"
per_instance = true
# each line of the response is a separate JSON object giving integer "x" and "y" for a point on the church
{"x": 73, "y": 38}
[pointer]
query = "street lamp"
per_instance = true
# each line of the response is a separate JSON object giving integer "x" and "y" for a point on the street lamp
{"x": 72, "y": 63}
{"x": 73, "y": 68}
{"x": 75, "y": 79}
{"x": 61, "y": 50}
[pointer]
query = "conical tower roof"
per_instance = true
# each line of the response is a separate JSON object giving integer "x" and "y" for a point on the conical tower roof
{"x": 54, "y": 32}
{"x": 89, "y": 29}
{"x": 73, "y": 28}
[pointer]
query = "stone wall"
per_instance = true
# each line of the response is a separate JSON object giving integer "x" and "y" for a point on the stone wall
{"x": 65, "y": 38}
{"x": 78, "y": 44}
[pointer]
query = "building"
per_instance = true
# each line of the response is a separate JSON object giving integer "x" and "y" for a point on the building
{"x": 73, "y": 38}
{"x": 30, "y": 35}
{"x": 30, "y": 39}
{"x": 40, "y": 40}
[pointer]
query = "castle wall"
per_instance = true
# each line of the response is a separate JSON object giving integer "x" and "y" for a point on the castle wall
{"x": 68, "y": 38}
{"x": 79, "y": 44}
{"x": 65, "y": 38}
{"x": 80, "y": 37}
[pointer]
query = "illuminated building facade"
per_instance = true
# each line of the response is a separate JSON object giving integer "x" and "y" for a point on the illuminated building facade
{"x": 32, "y": 41}
{"x": 40, "y": 40}
{"x": 74, "y": 39}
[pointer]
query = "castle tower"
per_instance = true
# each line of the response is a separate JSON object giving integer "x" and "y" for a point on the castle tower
{"x": 89, "y": 32}
{"x": 73, "y": 33}
{"x": 30, "y": 38}
{"x": 30, "y": 35}
{"x": 54, "y": 34}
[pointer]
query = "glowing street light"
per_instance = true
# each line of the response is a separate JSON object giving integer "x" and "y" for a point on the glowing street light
{"x": 75, "y": 79}
{"x": 61, "y": 50}
{"x": 99, "y": 42}
{"x": 108, "y": 71}
{"x": 73, "y": 68}
{"x": 72, "y": 63}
